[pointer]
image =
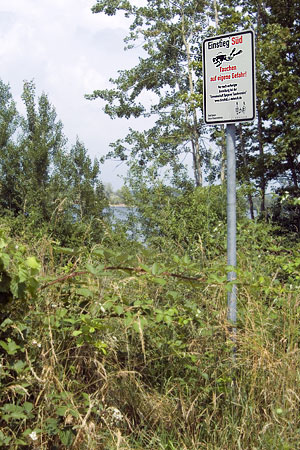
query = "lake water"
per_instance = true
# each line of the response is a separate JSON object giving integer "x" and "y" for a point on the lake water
{"x": 120, "y": 212}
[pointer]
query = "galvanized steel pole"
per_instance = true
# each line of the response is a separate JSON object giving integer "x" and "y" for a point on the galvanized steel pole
{"x": 231, "y": 222}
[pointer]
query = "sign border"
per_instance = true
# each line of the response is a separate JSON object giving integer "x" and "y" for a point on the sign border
{"x": 221, "y": 121}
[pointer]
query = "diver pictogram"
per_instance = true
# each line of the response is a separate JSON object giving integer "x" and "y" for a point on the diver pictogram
{"x": 219, "y": 59}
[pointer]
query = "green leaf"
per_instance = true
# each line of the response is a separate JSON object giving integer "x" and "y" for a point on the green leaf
{"x": 17, "y": 289}
{"x": 91, "y": 269}
{"x": 61, "y": 410}
{"x": 66, "y": 437}
{"x": 27, "y": 432}
{"x": 11, "y": 407}
{"x": 176, "y": 259}
{"x": 6, "y": 322}
{"x": 98, "y": 252}
{"x": 74, "y": 413}
{"x": 155, "y": 269}
{"x": 10, "y": 347}
{"x": 32, "y": 263}
{"x": 5, "y": 260}
{"x": 4, "y": 440}
{"x": 168, "y": 319}
{"x": 186, "y": 260}
{"x": 21, "y": 442}
{"x": 173, "y": 294}
{"x": 136, "y": 327}
{"x": 95, "y": 270}
{"x": 85, "y": 292}
{"x": 145, "y": 267}
{"x": 119, "y": 309}
{"x": 14, "y": 415}
{"x": 23, "y": 274}
{"x": 76, "y": 333}
{"x": 3, "y": 243}
{"x": 160, "y": 281}
{"x": 159, "y": 317}
{"x": 128, "y": 319}
{"x": 28, "y": 406}
{"x": 19, "y": 366}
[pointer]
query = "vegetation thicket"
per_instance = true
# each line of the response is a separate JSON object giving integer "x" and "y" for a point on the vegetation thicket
{"x": 120, "y": 346}
{"x": 115, "y": 335}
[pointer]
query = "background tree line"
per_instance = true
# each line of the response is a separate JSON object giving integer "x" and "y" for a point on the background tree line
{"x": 41, "y": 180}
{"x": 171, "y": 33}
{"x": 60, "y": 188}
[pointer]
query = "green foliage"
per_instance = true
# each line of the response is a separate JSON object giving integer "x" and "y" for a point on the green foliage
{"x": 137, "y": 345}
{"x": 41, "y": 183}
{"x": 18, "y": 275}
{"x": 169, "y": 33}
{"x": 285, "y": 210}
{"x": 268, "y": 150}
{"x": 186, "y": 220}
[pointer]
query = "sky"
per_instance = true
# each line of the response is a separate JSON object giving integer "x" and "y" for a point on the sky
{"x": 68, "y": 52}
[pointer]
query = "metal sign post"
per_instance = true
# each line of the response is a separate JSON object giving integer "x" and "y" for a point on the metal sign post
{"x": 229, "y": 97}
{"x": 231, "y": 222}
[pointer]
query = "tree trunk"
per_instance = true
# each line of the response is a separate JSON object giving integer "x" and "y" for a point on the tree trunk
{"x": 216, "y": 14}
{"x": 195, "y": 138}
{"x": 262, "y": 183}
{"x": 249, "y": 196}
{"x": 292, "y": 168}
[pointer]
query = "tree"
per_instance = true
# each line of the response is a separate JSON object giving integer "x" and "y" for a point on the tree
{"x": 169, "y": 32}
{"x": 41, "y": 182}
{"x": 268, "y": 150}
{"x": 10, "y": 167}
{"x": 9, "y": 117}
{"x": 88, "y": 192}
{"x": 42, "y": 140}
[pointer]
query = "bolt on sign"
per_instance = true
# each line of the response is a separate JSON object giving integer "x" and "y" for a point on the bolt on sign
{"x": 229, "y": 78}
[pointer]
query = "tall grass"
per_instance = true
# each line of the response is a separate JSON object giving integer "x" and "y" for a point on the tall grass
{"x": 120, "y": 359}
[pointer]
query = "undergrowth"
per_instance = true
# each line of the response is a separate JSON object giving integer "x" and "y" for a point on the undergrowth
{"x": 106, "y": 348}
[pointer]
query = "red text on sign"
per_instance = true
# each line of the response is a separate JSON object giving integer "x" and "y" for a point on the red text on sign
{"x": 237, "y": 40}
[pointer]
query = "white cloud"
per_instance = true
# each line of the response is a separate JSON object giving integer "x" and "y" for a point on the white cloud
{"x": 69, "y": 52}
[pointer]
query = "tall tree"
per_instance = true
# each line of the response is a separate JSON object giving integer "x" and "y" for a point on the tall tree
{"x": 41, "y": 180}
{"x": 268, "y": 151}
{"x": 9, "y": 117}
{"x": 41, "y": 141}
{"x": 168, "y": 31}
{"x": 281, "y": 80}
{"x": 10, "y": 161}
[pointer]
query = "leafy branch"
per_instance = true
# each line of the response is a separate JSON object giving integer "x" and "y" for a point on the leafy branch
{"x": 137, "y": 270}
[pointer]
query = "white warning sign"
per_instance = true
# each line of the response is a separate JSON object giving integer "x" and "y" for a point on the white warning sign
{"x": 229, "y": 78}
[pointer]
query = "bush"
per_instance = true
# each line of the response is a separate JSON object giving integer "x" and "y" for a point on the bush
{"x": 192, "y": 221}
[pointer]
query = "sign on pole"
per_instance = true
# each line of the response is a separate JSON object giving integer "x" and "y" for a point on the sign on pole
{"x": 229, "y": 97}
{"x": 229, "y": 78}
